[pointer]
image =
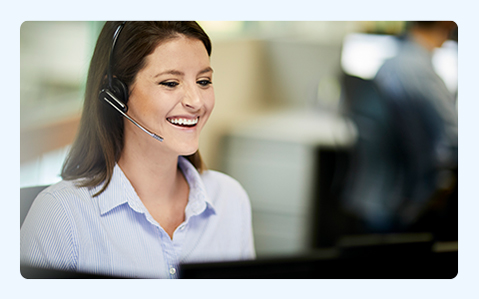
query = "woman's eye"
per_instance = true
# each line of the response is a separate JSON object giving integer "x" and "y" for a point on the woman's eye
{"x": 170, "y": 84}
{"x": 204, "y": 83}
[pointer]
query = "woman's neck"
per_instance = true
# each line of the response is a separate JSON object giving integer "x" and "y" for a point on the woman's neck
{"x": 154, "y": 175}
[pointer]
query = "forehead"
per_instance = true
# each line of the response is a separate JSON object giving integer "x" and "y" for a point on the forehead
{"x": 178, "y": 52}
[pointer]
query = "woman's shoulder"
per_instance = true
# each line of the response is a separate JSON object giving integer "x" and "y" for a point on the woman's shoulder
{"x": 62, "y": 196}
{"x": 64, "y": 189}
{"x": 57, "y": 205}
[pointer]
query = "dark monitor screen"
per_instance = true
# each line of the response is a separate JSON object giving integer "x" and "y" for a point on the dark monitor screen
{"x": 434, "y": 265}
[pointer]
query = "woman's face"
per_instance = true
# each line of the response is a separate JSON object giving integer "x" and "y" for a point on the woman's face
{"x": 173, "y": 95}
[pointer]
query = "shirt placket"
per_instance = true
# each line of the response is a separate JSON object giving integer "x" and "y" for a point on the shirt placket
{"x": 170, "y": 255}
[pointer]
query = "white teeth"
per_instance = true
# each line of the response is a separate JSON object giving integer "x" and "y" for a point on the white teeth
{"x": 183, "y": 121}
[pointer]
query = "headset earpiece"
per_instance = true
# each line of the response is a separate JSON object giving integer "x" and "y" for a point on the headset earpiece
{"x": 120, "y": 89}
{"x": 116, "y": 95}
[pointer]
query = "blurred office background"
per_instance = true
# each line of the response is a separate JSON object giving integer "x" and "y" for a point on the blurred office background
{"x": 282, "y": 123}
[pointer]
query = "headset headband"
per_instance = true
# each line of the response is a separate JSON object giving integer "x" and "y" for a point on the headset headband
{"x": 112, "y": 52}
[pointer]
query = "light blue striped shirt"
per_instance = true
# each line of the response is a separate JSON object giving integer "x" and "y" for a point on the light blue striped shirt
{"x": 114, "y": 234}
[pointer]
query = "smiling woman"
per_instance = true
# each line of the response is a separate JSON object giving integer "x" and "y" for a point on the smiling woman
{"x": 128, "y": 204}
{"x": 178, "y": 72}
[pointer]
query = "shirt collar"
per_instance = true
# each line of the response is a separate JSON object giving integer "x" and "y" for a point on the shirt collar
{"x": 198, "y": 200}
{"x": 120, "y": 191}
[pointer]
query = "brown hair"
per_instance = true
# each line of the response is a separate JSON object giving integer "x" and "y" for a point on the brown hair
{"x": 99, "y": 141}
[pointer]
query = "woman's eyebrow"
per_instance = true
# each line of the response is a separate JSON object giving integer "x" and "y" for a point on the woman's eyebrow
{"x": 170, "y": 72}
{"x": 180, "y": 73}
{"x": 206, "y": 70}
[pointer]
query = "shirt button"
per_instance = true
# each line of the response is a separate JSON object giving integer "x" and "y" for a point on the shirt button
{"x": 172, "y": 271}
{"x": 182, "y": 227}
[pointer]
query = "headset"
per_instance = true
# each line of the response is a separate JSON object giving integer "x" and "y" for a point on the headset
{"x": 115, "y": 92}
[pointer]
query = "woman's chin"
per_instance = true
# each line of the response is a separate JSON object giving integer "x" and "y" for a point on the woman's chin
{"x": 187, "y": 151}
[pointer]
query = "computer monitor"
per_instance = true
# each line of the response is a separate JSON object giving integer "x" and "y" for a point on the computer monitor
{"x": 395, "y": 261}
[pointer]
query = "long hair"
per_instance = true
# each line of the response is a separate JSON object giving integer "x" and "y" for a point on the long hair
{"x": 99, "y": 142}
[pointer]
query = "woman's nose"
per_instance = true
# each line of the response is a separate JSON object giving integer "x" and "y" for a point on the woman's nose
{"x": 192, "y": 98}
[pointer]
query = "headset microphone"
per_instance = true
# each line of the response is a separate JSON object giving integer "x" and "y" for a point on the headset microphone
{"x": 116, "y": 92}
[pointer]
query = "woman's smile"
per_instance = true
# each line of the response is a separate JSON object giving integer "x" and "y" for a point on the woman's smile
{"x": 187, "y": 122}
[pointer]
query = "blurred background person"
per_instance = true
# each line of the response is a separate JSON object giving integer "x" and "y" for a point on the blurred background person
{"x": 410, "y": 155}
